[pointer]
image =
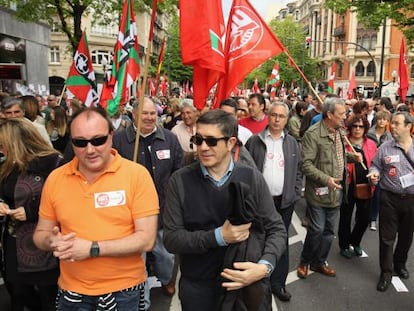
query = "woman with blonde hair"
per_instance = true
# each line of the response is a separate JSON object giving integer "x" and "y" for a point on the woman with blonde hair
{"x": 173, "y": 113}
{"x": 57, "y": 128}
{"x": 26, "y": 160}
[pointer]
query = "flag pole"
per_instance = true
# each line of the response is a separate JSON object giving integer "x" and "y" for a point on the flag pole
{"x": 144, "y": 81}
{"x": 303, "y": 75}
{"x": 61, "y": 94}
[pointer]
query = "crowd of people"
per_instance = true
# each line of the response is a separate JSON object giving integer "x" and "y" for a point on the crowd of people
{"x": 212, "y": 192}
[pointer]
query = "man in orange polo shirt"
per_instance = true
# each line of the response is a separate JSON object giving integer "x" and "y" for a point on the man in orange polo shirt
{"x": 98, "y": 214}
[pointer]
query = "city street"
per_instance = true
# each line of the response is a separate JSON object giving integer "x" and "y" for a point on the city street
{"x": 354, "y": 287}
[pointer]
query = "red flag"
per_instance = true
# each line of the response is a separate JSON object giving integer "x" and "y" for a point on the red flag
{"x": 201, "y": 31}
{"x": 81, "y": 77}
{"x": 331, "y": 83}
{"x": 125, "y": 64}
{"x": 151, "y": 87}
{"x": 351, "y": 87}
{"x": 160, "y": 58}
{"x": 153, "y": 13}
{"x": 274, "y": 78}
{"x": 249, "y": 43}
{"x": 163, "y": 85}
{"x": 402, "y": 73}
{"x": 256, "y": 88}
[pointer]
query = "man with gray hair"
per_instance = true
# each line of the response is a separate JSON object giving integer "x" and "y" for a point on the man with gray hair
{"x": 325, "y": 168}
{"x": 277, "y": 155}
{"x": 186, "y": 129}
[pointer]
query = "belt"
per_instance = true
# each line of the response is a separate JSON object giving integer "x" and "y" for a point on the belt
{"x": 277, "y": 197}
{"x": 400, "y": 195}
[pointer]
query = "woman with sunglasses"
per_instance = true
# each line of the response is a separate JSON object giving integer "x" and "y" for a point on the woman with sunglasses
{"x": 357, "y": 127}
{"x": 26, "y": 160}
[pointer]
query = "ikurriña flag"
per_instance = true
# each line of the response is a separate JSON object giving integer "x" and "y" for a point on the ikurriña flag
{"x": 249, "y": 43}
{"x": 81, "y": 78}
{"x": 125, "y": 64}
{"x": 331, "y": 83}
{"x": 201, "y": 30}
{"x": 274, "y": 78}
{"x": 402, "y": 73}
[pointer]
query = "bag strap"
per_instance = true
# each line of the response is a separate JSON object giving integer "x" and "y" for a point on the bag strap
{"x": 408, "y": 159}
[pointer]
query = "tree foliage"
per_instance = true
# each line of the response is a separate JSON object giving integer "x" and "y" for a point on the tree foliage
{"x": 372, "y": 13}
{"x": 172, "y": 63}
{"x": 292, "y": 35}
{"x": 70, "y": 12}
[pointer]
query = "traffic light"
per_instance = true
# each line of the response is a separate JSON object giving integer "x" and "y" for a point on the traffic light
{"x": 308, "y": 41}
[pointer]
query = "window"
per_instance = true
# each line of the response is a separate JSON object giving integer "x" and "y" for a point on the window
{"x": 339, "y": 69}
{"x": 371, "y": 69}
{"x": 373, "y": 42}
{"x": 97, "y": 57}
{"x": 359, "y": 69}
{"x": 366, "y": 42}
{"x": 55, "y": 27}
{"x": 54, "y": 54}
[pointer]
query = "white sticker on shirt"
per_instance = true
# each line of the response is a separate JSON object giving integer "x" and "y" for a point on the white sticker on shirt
{"x": 109, "y": 199}
{"x": 321, "y": 191}
{"x": 392, "y": 159}
{"x": 163, "y": 154}
{"x": 407, "y": 180}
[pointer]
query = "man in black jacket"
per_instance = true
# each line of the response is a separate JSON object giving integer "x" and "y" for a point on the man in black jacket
{"x": 197, "y": 226}
{"x": 278, "y": 156}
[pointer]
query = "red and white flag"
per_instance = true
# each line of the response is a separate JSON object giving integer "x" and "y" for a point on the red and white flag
{"x": 249, "y": 43}
{"x": 402, "y": 73}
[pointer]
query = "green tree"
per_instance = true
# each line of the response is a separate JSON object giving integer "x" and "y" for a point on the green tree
{"x": 292, "y": 35}
{"x": 372, "y": 13}
{"x": 70, "y": 12}
{"x": 172, "y": 63}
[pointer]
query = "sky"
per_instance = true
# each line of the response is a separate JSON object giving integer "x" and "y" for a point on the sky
{"x": 262, "y": 6}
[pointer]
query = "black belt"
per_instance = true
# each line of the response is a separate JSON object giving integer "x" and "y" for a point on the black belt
{"x": 400, "y": 195}
{"x": 277, "y": 197}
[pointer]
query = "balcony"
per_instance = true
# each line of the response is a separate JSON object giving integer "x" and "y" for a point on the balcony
{"x": 339, "y": 31}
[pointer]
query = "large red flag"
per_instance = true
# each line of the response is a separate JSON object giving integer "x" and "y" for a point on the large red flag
{"x": 249, "y": 43}
{"x": 351, "y": 87}
{"x": 402, "y": 73}
{"x": 81, "y": 78}
{"x": 201, "y": 31}
{"x": 331, "y": 82}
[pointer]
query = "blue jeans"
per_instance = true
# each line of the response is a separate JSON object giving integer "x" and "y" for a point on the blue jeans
{"x": 320, "y": 234}
{"x": 124, "y": 300}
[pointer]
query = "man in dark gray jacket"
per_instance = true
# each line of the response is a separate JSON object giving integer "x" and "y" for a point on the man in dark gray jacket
{"x": 277, "y": 155}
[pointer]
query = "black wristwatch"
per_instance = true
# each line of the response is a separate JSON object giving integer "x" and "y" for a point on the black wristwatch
{"x": 269, "y": 270}
{"x": 94, "y": 252}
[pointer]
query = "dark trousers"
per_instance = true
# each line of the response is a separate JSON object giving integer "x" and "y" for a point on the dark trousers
{"x": 396, "y": 216}
{"x": 200, "y": 295}
{"x": 279, "y": 275}
{"x": 39, "y": 298}
{"x": 362, "y": 216}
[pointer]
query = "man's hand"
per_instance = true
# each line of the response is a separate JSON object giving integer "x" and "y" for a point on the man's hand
{"x": 373, "y": 178}
{"x": 235, "y": 234}
{"x": 358, "y": 157}
{"x": 334, "y": 183}
{"x": 246, "y": 274}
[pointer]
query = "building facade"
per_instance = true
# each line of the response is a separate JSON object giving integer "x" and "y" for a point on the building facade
{"x": 23, "y": 55}
{"x": 343, "y": 40}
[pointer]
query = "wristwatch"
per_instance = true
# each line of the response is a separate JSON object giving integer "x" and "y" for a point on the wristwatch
{"x": 94, "y": 251}
{"x": 269, "y": 270}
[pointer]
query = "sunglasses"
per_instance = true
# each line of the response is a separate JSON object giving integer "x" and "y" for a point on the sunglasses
{"x": 97, "y": 141}
{"x": 358, "y": 126}
{"x": 197, "y": 139}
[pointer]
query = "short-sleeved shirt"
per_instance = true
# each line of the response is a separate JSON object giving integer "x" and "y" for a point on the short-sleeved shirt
{"x": 99, "y": 211}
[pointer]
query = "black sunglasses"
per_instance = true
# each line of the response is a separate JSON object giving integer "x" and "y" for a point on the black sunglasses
{"x": 197, "y": 139}
{"x": 97, "y": 141}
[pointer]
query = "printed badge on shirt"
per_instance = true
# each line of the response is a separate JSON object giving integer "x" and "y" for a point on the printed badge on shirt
{"x": 163, "y": 154}
{"x": 392, "y": 159}
{"x": 109, "y": 199}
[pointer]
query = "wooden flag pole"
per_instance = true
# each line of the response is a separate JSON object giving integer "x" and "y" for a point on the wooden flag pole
{"x": 61, "y": 94}
{"x": 303, "y": 75}
{"x": 144, "y": 81}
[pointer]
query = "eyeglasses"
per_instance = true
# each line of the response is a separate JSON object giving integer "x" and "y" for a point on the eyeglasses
{"x": 97, "y": 141}
{"x": 197, "y": 139}
{"x": 357, "y": 126}
{"x": 275, "y": 115}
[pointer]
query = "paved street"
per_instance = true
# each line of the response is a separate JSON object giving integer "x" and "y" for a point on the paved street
{"x": 354, "y": 288}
